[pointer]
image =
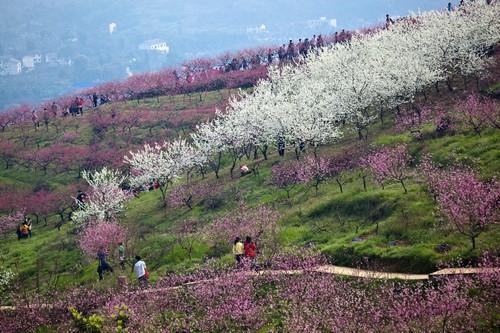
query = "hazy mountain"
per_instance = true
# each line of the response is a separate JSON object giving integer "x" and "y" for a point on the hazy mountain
{"x": 82, "y": 43}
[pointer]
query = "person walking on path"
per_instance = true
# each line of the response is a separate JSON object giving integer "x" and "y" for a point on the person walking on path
{"x": 250, "y": 250}
{"x": 103, "y": 265}
{"x": 141, "y": 272}
{"x": 238, "y": 251}
{"x": 121, "y": 255}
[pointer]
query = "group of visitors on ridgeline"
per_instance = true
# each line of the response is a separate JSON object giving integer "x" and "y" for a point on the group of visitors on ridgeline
{"x": 245, "y": 253}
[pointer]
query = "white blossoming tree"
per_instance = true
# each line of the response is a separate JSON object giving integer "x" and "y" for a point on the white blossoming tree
{"x": 105, "y": 198}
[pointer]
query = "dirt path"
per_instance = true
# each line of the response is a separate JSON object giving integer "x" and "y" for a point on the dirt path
{"x": 326, "y": 269}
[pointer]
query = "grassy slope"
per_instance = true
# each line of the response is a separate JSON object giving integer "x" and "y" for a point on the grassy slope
{"x": 331, "y": 220}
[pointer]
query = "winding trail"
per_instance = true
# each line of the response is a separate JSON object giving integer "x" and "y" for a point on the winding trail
{"x": 336, "y": 270}
{"x": 326, "y": 269}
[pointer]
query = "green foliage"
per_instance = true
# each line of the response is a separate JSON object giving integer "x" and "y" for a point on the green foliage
{"x": 121, "y": 317}
{"x": 377, "y": 227}
{"x": 91, "y": 324}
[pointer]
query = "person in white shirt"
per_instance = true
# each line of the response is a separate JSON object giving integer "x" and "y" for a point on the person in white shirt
{"x": 140, "y": 271}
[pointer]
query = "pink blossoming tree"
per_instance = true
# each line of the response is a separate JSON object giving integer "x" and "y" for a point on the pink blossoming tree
{"x": 389, "y": 164}
{"x": 96, "y": 235}
{"x": 285, "y": 176}
{"x": 468, "y": 203}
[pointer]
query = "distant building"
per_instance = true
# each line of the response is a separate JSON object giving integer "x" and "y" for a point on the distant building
{"x": 10, "y": 66}
{"x": 155, "y": 45}
{"x": 28, "y": 63}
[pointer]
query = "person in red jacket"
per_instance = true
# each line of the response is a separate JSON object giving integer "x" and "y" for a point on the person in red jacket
{"x": 250, "y": 251}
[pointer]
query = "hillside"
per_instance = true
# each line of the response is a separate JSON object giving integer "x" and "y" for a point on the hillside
{"x": 378, "y": 151}
{"x": 382, "y": 228}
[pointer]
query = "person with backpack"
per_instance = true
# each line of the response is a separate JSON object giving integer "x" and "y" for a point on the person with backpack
{"x": 103, "y": 264}
{"x": 238, "y": 250}
{"x": 141, "y": 272}
{"x": 250, "y": 251}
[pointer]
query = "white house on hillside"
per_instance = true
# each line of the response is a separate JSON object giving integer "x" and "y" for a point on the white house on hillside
{"x": 155, "y": 45}
{"x": 10, "y": 66}
{"x": 28, "y": 63}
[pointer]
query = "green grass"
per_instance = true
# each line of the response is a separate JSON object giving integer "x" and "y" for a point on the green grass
{"x": 382, "y": 227}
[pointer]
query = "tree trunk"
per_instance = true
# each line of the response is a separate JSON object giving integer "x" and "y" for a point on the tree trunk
{"x": 216, "y": 165}
{"x": 364, "y": 182}
{"x": 473, "y": 240}
{"x": 163, "y": 191}
{"x": 340, "y": 185}
{"x": 403, "y": 184}
{"x": 264, "y": 152}
{"x": 448, "y": 83}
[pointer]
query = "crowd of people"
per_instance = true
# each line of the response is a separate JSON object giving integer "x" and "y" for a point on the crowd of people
{"x": 245, "y": 254}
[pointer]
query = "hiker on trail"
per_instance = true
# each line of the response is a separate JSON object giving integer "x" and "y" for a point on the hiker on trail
{"x": 103, "y": 265}
{"x": 342, "y": 36}
{"x": 53, "y": 109}
{"x": 73, "y": 108}
{"x": 281, "y": 146}
{"x": 121, "y": 255}
{"x": 388, "y": 21}
{"x": 79, "y": 103}
{"x": 307, "y": 46}
{"x": 269, "y": 57}
{"x": 141, "y": 272}
{"x": 320, "y": 42}
{"x": 250, "y": 251}
{"x": 313, "y": 42}
{"x": 235, "y": 65}
{"x": 282, "y": 53}
{"x": 244, "y": 64}
{"x": 94, "y": 99}
{"x": 103, "y": 99}
{"x": 80, "y": 197}
{"x": 300, "y": 47}
{"x": 290, "y": 50}
{"x": 238, "y": 250}
{"x": 34, "y": 119}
